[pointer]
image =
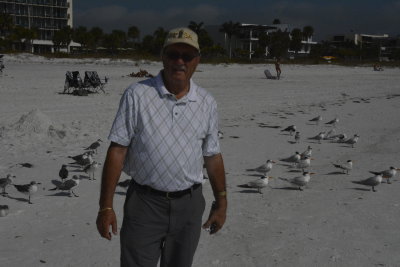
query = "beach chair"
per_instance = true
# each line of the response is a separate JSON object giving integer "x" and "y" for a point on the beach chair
{"x": 269, "y": 75}
{"x": 93, "y": 82}
{"x": 73, "y": 81}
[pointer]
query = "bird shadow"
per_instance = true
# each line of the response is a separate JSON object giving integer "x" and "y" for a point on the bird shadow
{"x": 60, "y": 194}
{"x": 297, "y": 171}
{"x": 335, "y": 173}
{"x": 361, "y": 189}
{"x": 287, "y": 188}
{"x": 254, "y": 175}
{"x": 18, "y": 199}
{"x": 292, "y": 142}
{"x": 249, "y": 191}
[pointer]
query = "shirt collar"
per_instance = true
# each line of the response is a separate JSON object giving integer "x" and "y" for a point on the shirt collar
{"x": 162, "y": 90}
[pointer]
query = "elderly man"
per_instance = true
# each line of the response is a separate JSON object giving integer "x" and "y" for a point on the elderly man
{"x": 165, "y": 129}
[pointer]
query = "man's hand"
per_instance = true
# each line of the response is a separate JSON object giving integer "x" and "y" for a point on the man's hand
{"x": 103, "y": 222}
{"x": 217, "y": 217}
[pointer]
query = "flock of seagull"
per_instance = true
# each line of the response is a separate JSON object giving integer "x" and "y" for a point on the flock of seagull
{"x": 302, "y": 161}
{"x": 84, "y": 162}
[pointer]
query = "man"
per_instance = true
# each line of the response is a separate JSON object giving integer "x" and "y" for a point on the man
{"x": 278, "y": 68}
{"x": 165, "y": 128}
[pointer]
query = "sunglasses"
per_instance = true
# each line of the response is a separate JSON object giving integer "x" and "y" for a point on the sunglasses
{"x": 186, "y": 57}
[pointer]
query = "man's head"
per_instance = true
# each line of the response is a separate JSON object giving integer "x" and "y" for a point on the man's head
{"x": 180, "y": 56}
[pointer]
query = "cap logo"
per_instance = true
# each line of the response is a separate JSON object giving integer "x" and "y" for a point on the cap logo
{"x": 179, "y": 35}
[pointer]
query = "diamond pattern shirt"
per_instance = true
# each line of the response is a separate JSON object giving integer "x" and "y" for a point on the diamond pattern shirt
{"x": 167, "y": 137}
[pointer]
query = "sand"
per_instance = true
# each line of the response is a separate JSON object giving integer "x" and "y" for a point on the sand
{"x": 332, "y": 222}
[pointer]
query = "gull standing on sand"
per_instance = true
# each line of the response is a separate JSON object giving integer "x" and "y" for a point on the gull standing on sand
{"x": 259, "y": 183}
{"x": 372, "y": 181}
{"x": 346, "y": 167}
{"x": 352, "y": 141}
{"x": 307, "y": 152}
{"x": 299, "y": 181}
{"x": 63, "y": 173}
{"x": 292, "y": 159}
{"x": 318, "y": 137}
{"x": 390, "y": 173}
{"x": 265, "y": 168}
{"x": 80, "y": 157}
{"x": 297, "y": 137}
{"x": 94, "y": 145}
{"x": 303, "y": 163}
{"x": 333, "y": 122}
{"x": 27, "y": 189}
{"x": 68, "y": 185}
{"x": 291, "y": 129}
{"x": 4, "y": 182}
{"x": 316, "y": 119}
{"x": 91, "y": 169}
{"x": 124, "y": 184}
{"x": 4, "y": 210}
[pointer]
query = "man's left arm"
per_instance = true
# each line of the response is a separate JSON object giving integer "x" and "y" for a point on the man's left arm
{"x": 216, "y": 174}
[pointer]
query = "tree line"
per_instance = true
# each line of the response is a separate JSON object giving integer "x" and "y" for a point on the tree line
{"x": 271, "y": 44}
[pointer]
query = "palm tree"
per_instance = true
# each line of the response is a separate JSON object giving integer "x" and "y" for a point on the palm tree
{"x": 276, "y": 21}
{"x": 308, "y": 32}
{"x": 97, "y": 36}
{"x": 296, "y": 38}
{"x": 230, "y": 29}
{"x": 196, "y": 27}
{"x": 133, "y": 33}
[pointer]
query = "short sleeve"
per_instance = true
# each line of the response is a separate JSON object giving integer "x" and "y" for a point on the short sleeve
{"x": 123, "y": 128}
{"x": 211, "y": 143}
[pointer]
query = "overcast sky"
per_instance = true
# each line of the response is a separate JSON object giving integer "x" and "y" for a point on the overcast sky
{"x": 327, "y": 17}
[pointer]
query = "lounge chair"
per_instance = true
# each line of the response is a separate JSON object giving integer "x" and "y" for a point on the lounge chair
{"x": 269, "y": 75}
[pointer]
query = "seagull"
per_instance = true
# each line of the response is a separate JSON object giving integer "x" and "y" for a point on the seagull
{"x": 91, "y": 169}
{"x": 352, "y": 141}
{"x": 265, "y": 168}
{"x": 346, "y": 167}
{"x": 292, "y": 159}
{"x": 27, "y": 189}
{"x": 318, "y": 137}
{"x": 94, "y": 145}
{"x": 297, "y": 137}
{"x": 259, "y": 183}
{"x": 333, "y": 122}
{"x": 307, "y": 152}
{"x": 390, "y": 173}
{"x": 372, "y": 181}
{"x": 303, "y": 163}
{"x": 330, "y": 133}
{"x": 85, "y": 160}
{"x": 79, "y": 157}
{"x": 124, "y": 184}
{"x": 3, "y": 210}
{"x": 291, "y": 129}
{"x": 69, "y": 185}
{"x": 317, "y": 119}
{"x": 340, "y": 138}
{"x": 4, "y": 182}
{"x": 299, "y": 181}
{"x": 63, "y": 173}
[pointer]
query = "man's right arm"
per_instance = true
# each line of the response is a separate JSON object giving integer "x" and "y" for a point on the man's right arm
{"x": 111, "y": 172}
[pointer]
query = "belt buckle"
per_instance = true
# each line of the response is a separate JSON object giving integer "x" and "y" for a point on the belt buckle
{"x": 167, "y": 196}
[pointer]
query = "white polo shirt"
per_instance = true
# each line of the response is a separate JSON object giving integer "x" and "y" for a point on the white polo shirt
{"x": 167, "y": 138}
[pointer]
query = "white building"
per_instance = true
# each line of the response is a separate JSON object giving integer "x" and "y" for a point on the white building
{"x": 47, "y": 16}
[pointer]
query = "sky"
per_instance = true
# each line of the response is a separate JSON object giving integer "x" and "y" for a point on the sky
{"x": 327, "y": 17}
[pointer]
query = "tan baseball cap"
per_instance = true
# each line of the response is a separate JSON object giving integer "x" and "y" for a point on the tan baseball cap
{"x": 182, "y": 35}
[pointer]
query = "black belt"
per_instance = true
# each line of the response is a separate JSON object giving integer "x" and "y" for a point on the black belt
{"x": 169, "y": 195}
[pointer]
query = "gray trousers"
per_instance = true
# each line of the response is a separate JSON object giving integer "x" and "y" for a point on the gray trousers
{"x": 156, "y": 228}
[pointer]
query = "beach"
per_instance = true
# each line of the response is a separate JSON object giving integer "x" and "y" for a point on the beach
{"x": 332, "y": 222}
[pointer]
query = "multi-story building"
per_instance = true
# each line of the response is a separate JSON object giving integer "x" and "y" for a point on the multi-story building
{"x": 46, "y": 16}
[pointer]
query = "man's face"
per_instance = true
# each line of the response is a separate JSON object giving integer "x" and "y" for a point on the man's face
{"x": 180, "y": 61}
